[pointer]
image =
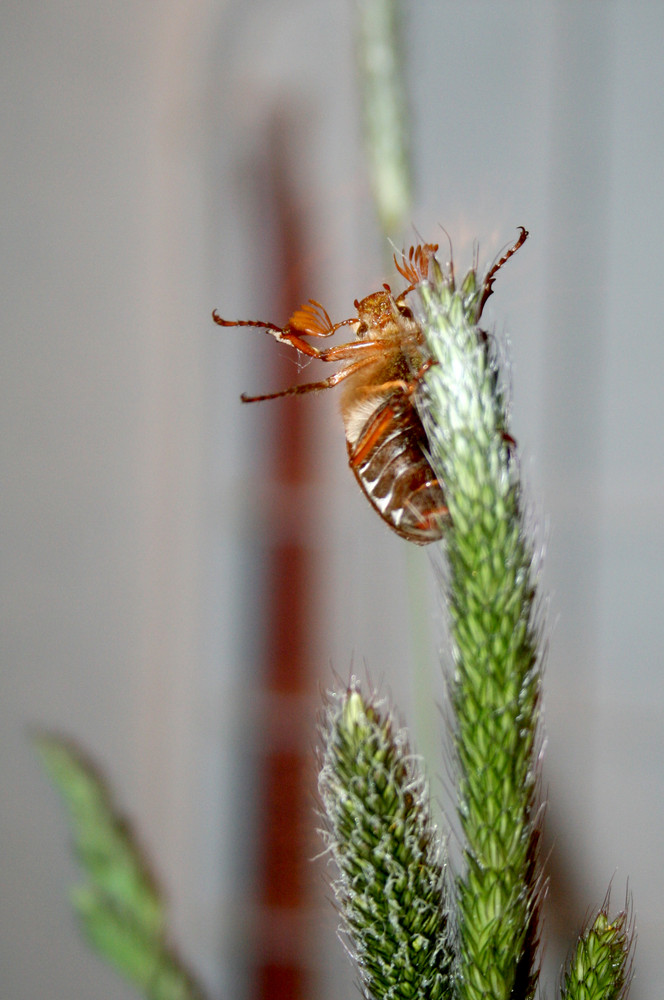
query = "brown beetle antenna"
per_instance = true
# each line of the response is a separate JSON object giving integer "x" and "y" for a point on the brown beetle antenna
{"x": 487, "y": 285}
{"x": 313, "y": 320}
{"x": 414, "y": 267}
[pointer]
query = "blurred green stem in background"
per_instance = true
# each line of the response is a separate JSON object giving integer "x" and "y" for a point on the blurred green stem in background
{"x": 383, "y": 91}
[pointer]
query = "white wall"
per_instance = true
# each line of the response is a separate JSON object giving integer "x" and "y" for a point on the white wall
{"x": 131, "y": 477}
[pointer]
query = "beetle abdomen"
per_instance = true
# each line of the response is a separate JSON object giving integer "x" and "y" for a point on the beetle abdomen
{"x": 390, "y": 464}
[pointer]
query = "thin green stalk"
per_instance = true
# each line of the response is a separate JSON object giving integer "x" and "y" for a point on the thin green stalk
{"x": 494, "y": 629}
{"x": 383, "y": 93}
{"x": 121, "y": 911}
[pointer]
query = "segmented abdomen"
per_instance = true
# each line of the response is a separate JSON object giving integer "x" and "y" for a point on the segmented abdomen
{"x": 389, "y": 462}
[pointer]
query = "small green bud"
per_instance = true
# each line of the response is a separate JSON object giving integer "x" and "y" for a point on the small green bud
{"x": 391, "y": 885}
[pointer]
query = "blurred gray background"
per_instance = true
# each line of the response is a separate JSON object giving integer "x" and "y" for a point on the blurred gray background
{"x": 142, "y": 146}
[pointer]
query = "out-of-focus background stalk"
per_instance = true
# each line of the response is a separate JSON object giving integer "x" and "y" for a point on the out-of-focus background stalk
{"x": 381, "y": 37}
{"x": 160, "y": 161}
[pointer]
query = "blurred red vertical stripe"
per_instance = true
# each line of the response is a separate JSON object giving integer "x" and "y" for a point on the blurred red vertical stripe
{"x": 285, "y": 807}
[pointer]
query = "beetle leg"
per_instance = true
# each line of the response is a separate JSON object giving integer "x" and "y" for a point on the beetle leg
{"x": 344, "y": 352}
{"x": 381, "y": 388}
{"x": 378, "y": 426}
{"x": 434, "y": 515}
{"x": 371, "y": 435}
{"x": 263, "y": 324}
{"x": 283, "y": 334}
{"x": 325, "y": 383}
{"x": 310, "y": 320}
{"x": 408, "y": 388}
{"x": 487, "y": 284}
